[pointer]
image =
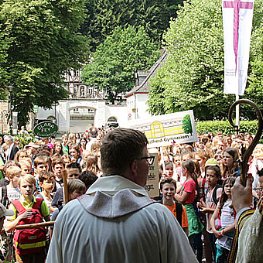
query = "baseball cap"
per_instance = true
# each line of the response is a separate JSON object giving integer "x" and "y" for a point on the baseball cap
{"x": 5, "y": 212}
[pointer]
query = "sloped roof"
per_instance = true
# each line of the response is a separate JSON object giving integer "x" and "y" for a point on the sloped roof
{"x": 144, "y": 86}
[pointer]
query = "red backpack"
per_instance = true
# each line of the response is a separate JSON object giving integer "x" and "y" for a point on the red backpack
{"x": 30, "y": 240}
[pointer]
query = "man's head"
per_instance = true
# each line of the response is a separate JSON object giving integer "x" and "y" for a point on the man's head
{"x": 124, "y": 152}
{"x": 8, "y": 139}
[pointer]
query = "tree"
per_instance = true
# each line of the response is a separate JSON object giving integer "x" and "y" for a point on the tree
{"x": 116, "y": 60}
{"x": 44, "y": 43}
{"x": 192, "y": 76}
{"x": 187, "y": 124}
{"x": 103, "y": 16}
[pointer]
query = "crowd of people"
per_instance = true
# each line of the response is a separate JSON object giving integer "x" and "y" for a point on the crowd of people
{"x": 109, "y": 216}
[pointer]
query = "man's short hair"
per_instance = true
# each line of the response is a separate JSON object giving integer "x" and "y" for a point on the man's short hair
{"x": 9, "y": 138}
{"x": 74, "y": 166}
{"x": 119, "y": 148}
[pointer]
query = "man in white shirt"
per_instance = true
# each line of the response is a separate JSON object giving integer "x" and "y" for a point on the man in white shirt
{"x": 117, "y": 221}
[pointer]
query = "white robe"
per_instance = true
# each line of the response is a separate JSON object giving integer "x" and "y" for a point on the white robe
{"x": 118, "y": 223}
{"x": 250, "y": 240}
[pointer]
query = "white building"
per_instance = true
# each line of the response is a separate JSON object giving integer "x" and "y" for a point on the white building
{"x": 86, "y": 105}
{"x": 137, "y": 106}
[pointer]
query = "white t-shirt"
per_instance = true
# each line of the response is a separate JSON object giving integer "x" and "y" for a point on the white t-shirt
{"x": 227, "y": 214}
{"x": 13, "y": 193}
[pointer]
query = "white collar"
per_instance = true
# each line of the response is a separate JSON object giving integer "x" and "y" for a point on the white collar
{"x": 112, "y": 184}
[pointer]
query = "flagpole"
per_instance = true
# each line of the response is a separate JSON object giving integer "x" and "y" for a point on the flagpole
{"x": 237, "y": 114}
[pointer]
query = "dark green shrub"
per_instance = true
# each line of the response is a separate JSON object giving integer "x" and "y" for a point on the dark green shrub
{"x": 204, "y": 127}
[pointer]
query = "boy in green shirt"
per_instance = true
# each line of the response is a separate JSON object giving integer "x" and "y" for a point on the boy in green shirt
{"x": 28, "y": 210}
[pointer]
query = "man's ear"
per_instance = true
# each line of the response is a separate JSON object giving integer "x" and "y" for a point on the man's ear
{"x": 134, "y": 167}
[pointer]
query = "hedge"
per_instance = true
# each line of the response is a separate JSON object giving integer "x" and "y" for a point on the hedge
{"x": 204, "y": 127}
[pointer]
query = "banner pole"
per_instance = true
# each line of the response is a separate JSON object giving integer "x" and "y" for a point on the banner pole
{"x": 237, "y": 114}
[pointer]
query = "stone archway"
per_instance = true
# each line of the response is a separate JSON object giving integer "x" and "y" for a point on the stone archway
{"x": 81, "y": 118}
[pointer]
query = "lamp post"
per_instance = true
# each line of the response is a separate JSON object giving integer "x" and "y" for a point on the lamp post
{"x": 10, "y": 110}
{"x": 4, "y": 115}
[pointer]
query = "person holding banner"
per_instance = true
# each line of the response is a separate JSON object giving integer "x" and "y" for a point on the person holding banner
{"x": 116, "y": 221}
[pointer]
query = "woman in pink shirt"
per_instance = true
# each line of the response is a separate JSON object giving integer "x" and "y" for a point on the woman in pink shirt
{"x": 187, "y": 197}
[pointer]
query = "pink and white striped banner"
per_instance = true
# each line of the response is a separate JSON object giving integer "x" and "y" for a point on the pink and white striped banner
{"x": 237, "y": 21}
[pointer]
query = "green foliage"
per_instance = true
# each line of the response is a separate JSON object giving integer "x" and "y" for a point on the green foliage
{"x": 192, "y": 76}
{"x": 24, "y": 139}
{"x": 115, "y": 61}
{"x": 187, "y": 125}
{"x": 204, "y": 127}
{"x": 103, "y": 16}
{"x": 43, "y": 43}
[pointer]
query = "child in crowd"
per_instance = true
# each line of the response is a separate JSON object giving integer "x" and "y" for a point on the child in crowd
{"x": 73, "y": 171}
{"x": 168, "y": 170}
{"x": 92, "y": 164}
{"x": 188, "y": 197}
{"x": 168, "y": 189}
{"x": 177, "y": 167}
{"x": 74, "y": 153}
{"x": 208, "y": 206}
{"x": 30, "y": 244}
{"x": 20, "y": 155}
{"x": 230, "y": 163}
{"x": 58, "y": 148}
{"x": 58, "y": 168}
{"x": 88, "y": 178}
{"x": 26, "y": 167}
{"x": 65, "y": 147}
{"x": 76, "y": 188}
{"x": 41, "y": 163}
{"x": 47, "y": 183}
{"x": 13, "y": 174}
{"x": 225, "y": 231}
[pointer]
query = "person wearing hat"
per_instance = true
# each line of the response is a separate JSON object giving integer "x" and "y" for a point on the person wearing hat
{"x": 3, "y": 238}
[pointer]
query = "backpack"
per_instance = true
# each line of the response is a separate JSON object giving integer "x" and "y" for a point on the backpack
{"x": 179, "y": 213}
{"x": 178, "y": 210}
{"x": 214, "y": 196}
{"x": 30, "y": 240}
